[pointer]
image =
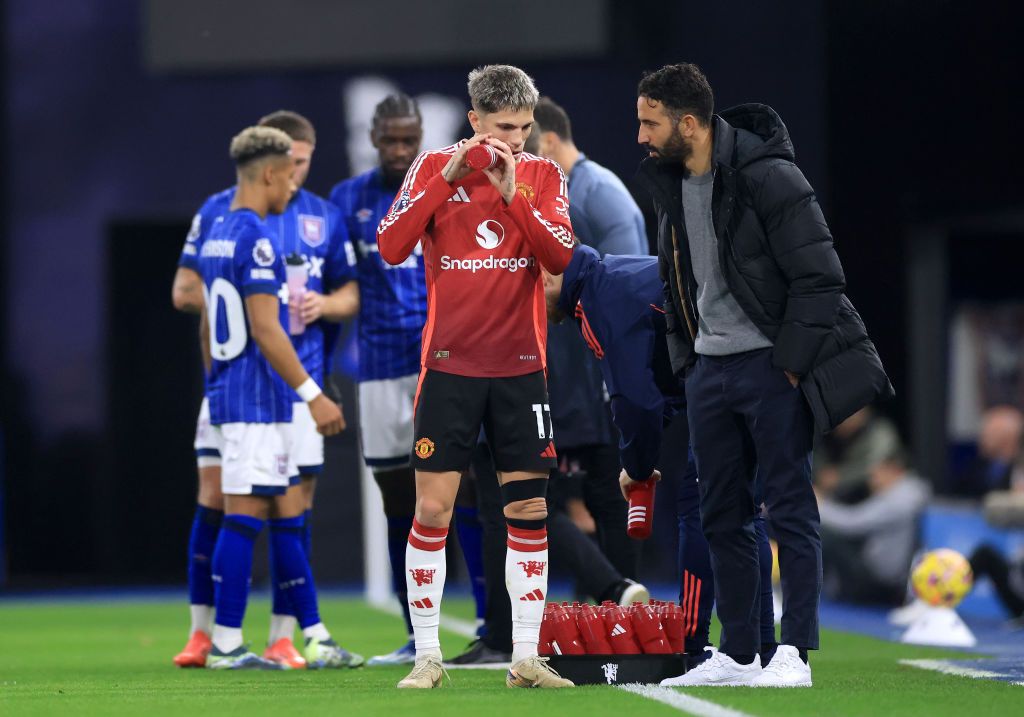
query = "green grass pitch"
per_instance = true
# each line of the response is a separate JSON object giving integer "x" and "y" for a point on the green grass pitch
{"x": 90, "y": 658}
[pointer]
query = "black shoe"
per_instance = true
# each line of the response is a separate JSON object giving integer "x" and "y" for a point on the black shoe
{"x": 480, "y": 654}
{"x": 625, "y": 592}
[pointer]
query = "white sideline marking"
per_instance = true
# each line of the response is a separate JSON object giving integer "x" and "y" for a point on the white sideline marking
{"x": 946, "y": 668}
{"x": 682, "y": 702}
{"x": 465, "y": 628}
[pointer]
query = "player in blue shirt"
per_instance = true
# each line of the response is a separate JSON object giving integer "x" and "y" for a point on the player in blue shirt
{"x": 393, "y": 309}
{"x": 314, "y": 236}
{"x": 616, "y": 302}
{"x": 254, "y": 373}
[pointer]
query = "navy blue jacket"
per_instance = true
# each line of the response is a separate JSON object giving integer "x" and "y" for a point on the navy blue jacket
{"x": 616, "y": 302}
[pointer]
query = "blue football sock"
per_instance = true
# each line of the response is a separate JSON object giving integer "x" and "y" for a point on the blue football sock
{"x": 202, "y": 541}
{"x": 307, "y": 535}
{"x": 232, "y": 567}
{"x": 280, "y": 604}
{"x": 398, "y": 540}
{"x": 294, "y": 577}
{"x": 470, "y": 532}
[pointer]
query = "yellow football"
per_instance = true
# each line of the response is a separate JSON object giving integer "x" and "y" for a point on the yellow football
{"x": 942, "y": 577}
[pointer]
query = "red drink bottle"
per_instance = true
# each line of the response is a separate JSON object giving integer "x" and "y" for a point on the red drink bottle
{"x": 565, "y": 635}
{"x": 641, "y": 510}
{"x": 544, "y": 644}
{"x": 620, "y": 632}
{"x": 650, "y": 632}
{"x": 672, "y": 621}
{"x": 482, "y": 156}
{"x": 592, "y": 631}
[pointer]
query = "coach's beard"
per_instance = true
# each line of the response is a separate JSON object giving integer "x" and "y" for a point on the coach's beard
{"x": 676, "y": 151}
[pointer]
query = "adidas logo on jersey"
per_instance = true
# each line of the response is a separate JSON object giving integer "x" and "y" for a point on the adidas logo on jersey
{"x": 459, "y": 196}
{"x": 618, "y": 630}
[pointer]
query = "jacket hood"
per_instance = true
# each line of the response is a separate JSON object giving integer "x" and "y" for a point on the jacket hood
{"x": 750, "y": 132}
{"x": 743, "y": 135}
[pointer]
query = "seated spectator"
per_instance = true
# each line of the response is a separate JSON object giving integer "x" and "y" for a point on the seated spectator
{"x": 999, "y": 447}
{"x": 867, "y": 548}
{"x": 1007, "y": 577}
{"x": 844, "y": 458}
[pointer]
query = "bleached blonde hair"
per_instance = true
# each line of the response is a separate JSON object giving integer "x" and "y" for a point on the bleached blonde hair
{"x": 254, "y": 143}
{"x": 493, "y": 88}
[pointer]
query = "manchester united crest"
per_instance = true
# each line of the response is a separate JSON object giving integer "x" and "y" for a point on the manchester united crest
{"x": 526, "y": 190}
{"x": 424, "y": 448}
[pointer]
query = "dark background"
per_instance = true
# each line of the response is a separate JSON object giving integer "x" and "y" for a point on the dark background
{"x": 115, "y": 124}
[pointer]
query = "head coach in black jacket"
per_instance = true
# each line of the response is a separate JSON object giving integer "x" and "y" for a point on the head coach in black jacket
{"x": 770, "y": 347}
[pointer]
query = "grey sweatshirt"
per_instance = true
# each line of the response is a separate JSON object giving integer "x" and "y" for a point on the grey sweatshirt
{"x": 886, "y": 521}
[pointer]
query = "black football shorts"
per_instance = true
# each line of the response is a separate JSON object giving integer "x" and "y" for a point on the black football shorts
{"x": 513, "y": 411}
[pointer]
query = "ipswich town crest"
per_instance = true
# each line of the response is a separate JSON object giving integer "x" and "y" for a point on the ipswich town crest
{"x": 312, "y": 229}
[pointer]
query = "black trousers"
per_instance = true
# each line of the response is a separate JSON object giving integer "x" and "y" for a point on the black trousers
{"x": 848, "y": 577}
{"x": 598, "y": 487}
{"x": 986, "y": 560}
{"x": 748, "y": 425}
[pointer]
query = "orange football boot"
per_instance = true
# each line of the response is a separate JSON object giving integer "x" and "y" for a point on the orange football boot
{"x": 283, "y": 652}
{"x": 195, "y": 652}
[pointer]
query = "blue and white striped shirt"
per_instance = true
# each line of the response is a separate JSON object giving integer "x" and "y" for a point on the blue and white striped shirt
{"x": 393, "y": 299}
{"x": 311, "y": 227}
{"x": 240, "y": 257}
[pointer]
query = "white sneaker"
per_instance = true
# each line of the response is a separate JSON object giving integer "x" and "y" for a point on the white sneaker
{"x": 719, "y": 670}
{"x": 785, "y": 670}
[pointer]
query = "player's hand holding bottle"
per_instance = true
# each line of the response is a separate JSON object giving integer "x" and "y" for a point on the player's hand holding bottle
{"x": 457, "y": 168}
{"x": 640, "y": 494}
{"x": 327, "y": 415}
{"x": 503, "y": 174}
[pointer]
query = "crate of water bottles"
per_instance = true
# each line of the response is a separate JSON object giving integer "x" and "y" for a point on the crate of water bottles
{"x": 612, "y": 644}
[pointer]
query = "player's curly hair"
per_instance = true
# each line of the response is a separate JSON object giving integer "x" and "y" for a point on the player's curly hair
{"x": 396, "y": 105}
{"x": 682, "y": 89}
{"x": 254, "y": 143}
{"x": 493, "y": 88}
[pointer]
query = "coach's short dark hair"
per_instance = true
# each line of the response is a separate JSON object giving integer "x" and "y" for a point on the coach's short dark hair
{"x": 292, "y": 124}
{"x": 682, "y": 89}
{"x": 550, "y": 117}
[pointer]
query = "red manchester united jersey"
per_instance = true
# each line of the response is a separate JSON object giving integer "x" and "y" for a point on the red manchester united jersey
{"x": 485, "y": 299}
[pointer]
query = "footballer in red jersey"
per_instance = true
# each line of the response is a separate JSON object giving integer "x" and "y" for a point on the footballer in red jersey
{"x": 485, "y": 235}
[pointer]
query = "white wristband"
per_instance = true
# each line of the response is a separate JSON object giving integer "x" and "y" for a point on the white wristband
{"x": 308, "y": 390}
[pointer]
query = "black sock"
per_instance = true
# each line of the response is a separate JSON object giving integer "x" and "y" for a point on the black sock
{"x": 768, "y": 652}
{"x": 743, "y": 659}
{"x": 803, "y": 653}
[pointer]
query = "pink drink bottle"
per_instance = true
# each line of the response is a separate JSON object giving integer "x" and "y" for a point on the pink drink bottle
{"x": 295, "y": 268}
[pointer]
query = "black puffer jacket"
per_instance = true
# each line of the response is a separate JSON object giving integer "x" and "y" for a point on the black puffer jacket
{"x": 776, "y": 253}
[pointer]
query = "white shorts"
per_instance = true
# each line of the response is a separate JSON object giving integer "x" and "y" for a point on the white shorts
{"x": 307, "y": 443}
{"x": 385, "y": 421}
{"x": 256, "y": 459}
{"x": 208, "y": 443}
